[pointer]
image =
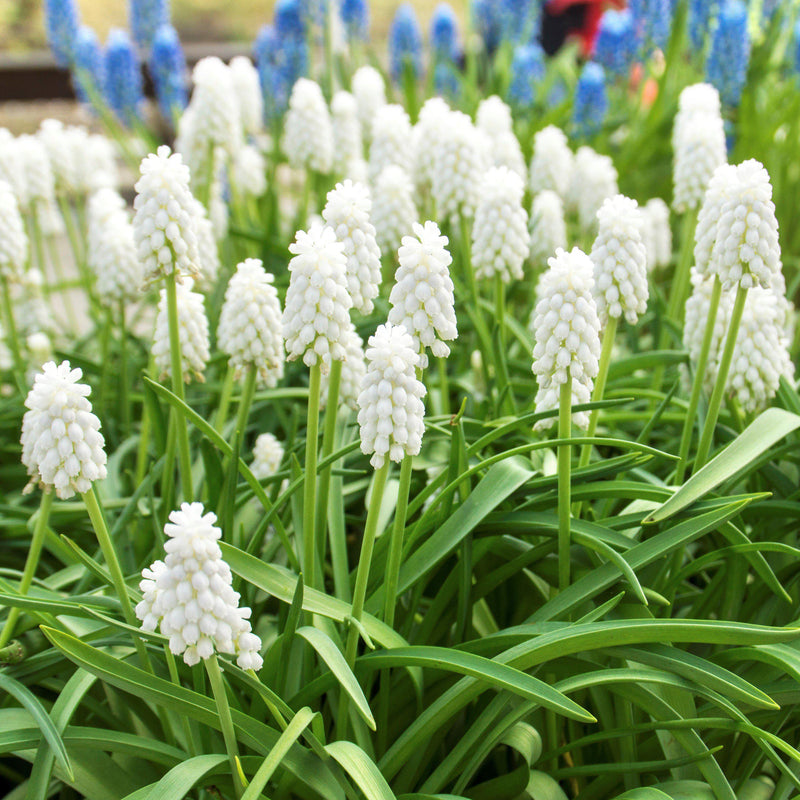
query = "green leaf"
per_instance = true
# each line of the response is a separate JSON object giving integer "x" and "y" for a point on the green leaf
{"x": 361, "y": 769}
{"x": 768, "y": 428}
{"x": 180, "y": 780}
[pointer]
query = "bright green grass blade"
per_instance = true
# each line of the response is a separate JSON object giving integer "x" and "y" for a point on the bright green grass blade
{"x": 361, "y": 769}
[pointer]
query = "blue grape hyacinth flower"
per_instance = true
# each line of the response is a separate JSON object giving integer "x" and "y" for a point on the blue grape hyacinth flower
{"x": 88, "y": 67}
{"x": 123, "y": 77}
{"x": 444, "y": 33}
{"x": 527, "y": 70}
{"x": 519, "y": 20}
{"x": 591, "y": 101}
{"x": 405, "y": 42}
{"x": 146, "y": 17}
{"x": 729, "y": 56}
{"x": 652, "y": 21}
{"x": 486, "y": 21}
{"x": 355, "y": 19}
{"x": 289, "y": 19}
{"x": 702, "y": 14}
{"x": 62, "y": 23}
{"x": 797, "y": 47}
{"x": 617, "y": 42}
{"x": 446, "y": 81}
{"x": 168, "y": 70}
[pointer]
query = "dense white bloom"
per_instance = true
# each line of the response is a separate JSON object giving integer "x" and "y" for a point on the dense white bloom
{"x": 267, "y": 456}
{"x": 746, "y": 250}
{"x": 61, "y": 154}
{"x": 13, "y": 239}
{"x": 422, "y": 297}
{"x": 62, "y": 446}
{"x": 215, "y": 100}
{"x": 594, "y": 178}
{"x": 250, "y": 171}
{"x": 250, "y": 323}
{"x": 430, "y": 127}
{"x": 720, "y": 187}
{"x": 390, "y": 409}
{"x": 39, "y": 190}
{"x": 40, "y": 351}
{"x": 316, "y": 316}
{"x": 32, "y": 311}
{"x": 656, "y": 233}
{"x": 208, "y": 262}
{"x": 307, "y": 131}
{"x": 247, "y": 87}
{"x": 353, "y": 370}
{"x": 548, "y": 229}
{"x": 12, "y": 170}
{"x": 347, "y": 213}
{"x": 567, "y": 332}
{"x": 393, "y": 209}
{"x": 391, "y": 140}
{"x": 700, "y": 98}
{"x": 189, "y": 595}
{"x": 102, "y": 163}
{"x": 552, "y": 162}
{"x": 192, "y": 334}
{"x": 500, "y": 239}
{"x": 620, "y": 261}
{"x": 348, "y": 149}
{"x": 494, "y": 119}
{"x": 369, "y": 91}
{"x": 493, "y": 116}
{"x": 164, "y": 225}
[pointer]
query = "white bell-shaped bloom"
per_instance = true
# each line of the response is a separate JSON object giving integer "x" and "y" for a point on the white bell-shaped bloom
{"x": 393, "y": 210}
{"x": 247, "y": 86}
{"x": 369, "y": 90}
{"x": 594, "y": 178}
{"x": 494, "y": 119}
{"x": 552, "y": 162}
{"x": 656, "y": 233}
{"x": 391, "y": 140}
{"x": 354, "y": 368}
{"x": 547, "y": 227}
{"x": 267, "y": 456}
{"x": 308, "y": 131}
{"x": 13, "y": 239}
{"x": 348, "y": 148}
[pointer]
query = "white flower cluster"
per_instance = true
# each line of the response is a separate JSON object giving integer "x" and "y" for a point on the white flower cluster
{"x": 720, "y": 187}
{"x": 62, "y": 446}
{"x": 698, "y": 144}
{"x": 192, "y": 334}
{"x": 250, "y": 171}
{"x": 656, "y": 233}
{"x": 390, "y": 409}
{"x": 36, "y": 192}
{"x": 594, "y": 178}
{"x": 249, "y": 329}
{"x": 163, "y": 225}
{"x": 746, "y": 247}
{"x": 347, "y": 213}
{"x": 369, "y": 91}
{"x": 267, "y": 456}
{"x": 500, "y": 239}
{"x": 348, "y": 150}
{"x": 13, "y": 239}
{"x": 393, "y": 209}
{"x": 189, "y": 595}
{"x": 494, "y": 119}
{"x": 422, "y": 298}
{"x": 547, "y": 227}
{"x": 353, "y": 370}
{"x": 429, "y": 129}
{"x": 316, "y": 314}
{"x": 247, "y": 86}
{"x": 620, "y": 261}
{"x": 32, "y": 312}
{"x": 208, "y": 263}
{"x": 391, "y": 140}
{"x": 215, "y": 104}
{"x": 308, "y": 131}
{"x": 567, "y": 333}
{"x": 552, "y": 162}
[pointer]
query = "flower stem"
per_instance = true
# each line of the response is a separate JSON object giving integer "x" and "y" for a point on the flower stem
{"x": 31, "y": 562}
{"x": 177, "y": 388}
{"x": 124, "y": 387}
{"x": 697, "y": 381}
{"x": 328, "y": 439}
{"x": 246, "y": 400}
{"x": 564, "y": 477}
{"x": 680, "y": 283}
{"x": 19, "y": 366}
{"x": 396, "y": 542}
{"x": 722, "y": 378}
{"x": 310, "y": 477}
{"x": 225, "y": 719}
{"x": 224, "y": 401}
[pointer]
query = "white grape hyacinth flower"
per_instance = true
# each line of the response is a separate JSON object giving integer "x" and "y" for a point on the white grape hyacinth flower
{"x": 189, "y": 595}
{"x": 567, "y": 333}
{"x": 620, "y": 261}
{"x": 308, "y": 131}
{"x": 267, "y": 456}
{"x": 348, "y": 148}
{"x": 369, "y": 91}
{"x": 347, "y": 212}
{"x": 163, "y": 225}
{"x": 208, "y": 263}
{"x": 249, "y": 329}
{"x": 548, "y": 230}
{"x": 39, "y": 191}
{"x": 722, "y": 183}
{"x": 13, "y": 239}
{"x": 422, "y": 298}
{"x": 430, "y": 127}
{"x": 316, "y": 313}
{"x": 746, "y": 248}
{"x": 250, "y": 171}
{"x": 215, "y": 99}
{"x": 62, "y": 447}
{"x": 656, "y": 233}
{"x": 393, "y": 210}
{"x": 247, "y": 86}
{"x": 552, "y": 162}
{"x": 500, "y": 239}
{"x": 494, "y": 119}
{"x": 594, "y": 178}
{"x": 390, "y": 408}
{"x": 391, "y": 140}
{"x": 353, "y": 370}
{"x": 192, "y": 334}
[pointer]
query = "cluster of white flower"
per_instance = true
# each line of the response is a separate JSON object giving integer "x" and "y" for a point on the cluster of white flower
{"x": 552, "y": 162}
{"x": 247, "y": 86}
{"x": 13, "y": 239}
{"x": 37, "y": 192}
{"x": 308, "y": 131}
{"x": 249, "y": 172}
{"x": 567, "y": 333}
{"x": 620, "y": 261}
{"x": 347, "y": 213}
{"x": 62, "y": 446}
{"x": 316, "y": 314}
{"x": 267, "y": 456}
{"x": 215, "y": 104}
{"x": 393, "y": 209}
{"x": 422, "y": 299}
{"x": 189, "y": 595}
{"x": 720, "y": 186}
{"x": 391, "y": 140}
{"x": 369, "y": 91}
{"x": 33, "y": 313}
{"x": 208, "y": 263}
{"x": 594, "y": 178}
{"x": 348, "y": 150}
{"x": 548, "y": 229}
{"x": 249, "y": 329}
{"x": 390, "y": 408}
{"x": 494, "y": 119}
{"x": 500, "y": 239}
{"x": 430, "y": 127}
{"x": 656, "y": 233}
{"x": 353, "y": 370}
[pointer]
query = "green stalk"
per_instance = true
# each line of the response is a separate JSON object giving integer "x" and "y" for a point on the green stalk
{"x": 697, "y": 381}
{"x": 328, "y": 439}
{"x": 680, "y": 282}
{"x": 310, "y": 477}
{"x": 722, "y": 377}
{"x": 19, "y": 365}
{"x": 360, "y": 589}
{"x": 396, "y": 542}
{"x": 224, "y": 401}
{"x": 444, "y": 386}
{"x": 480, "y": 323}
{"x": 225, "y": 720}
{"x": 500, "y": 316}
{"x": 564, "y": 453}
{"x": 177, "y": 388}
{"x": 124, "y": 387}
{"x": 246, "y": 400}
{"x": 31, "y": 562}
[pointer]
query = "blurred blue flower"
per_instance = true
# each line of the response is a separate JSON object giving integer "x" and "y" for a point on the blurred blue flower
{"x": 168, "y": 70}
{"x": 444, "y": 33}
{"x": 486, "y": 20}
{"x": 701, "y": 14}
{"x": 146, "y": 17}
{"x": 768, "y": 8}
{"x": 728, "y": 59}
{"x": 355, "y": 18}
{"x": 446, "y": 80}
{"x": 315, "y": 12}
{"x": 527, "y": 70}
{"x": 88, "y": 67}
{"x": 617, "y": 43}
{"x": 62, "y": 22}
{"x": 520, "y": 20}
{"x": 797, "y": 47}
{"x": 591, "y": 103}
{"x": 123, "y": 76}
{"x": 289, "y": 19}
{"x": 652, "y": 21}
{"x": 405, "y": 42}
{"x": 280, "y": 62}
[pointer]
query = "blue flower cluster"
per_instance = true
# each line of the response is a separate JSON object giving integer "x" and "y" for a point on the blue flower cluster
{"x": 702, "y": 14}
{"x": 730, "y": 52}
{"x": 445, "y": 51}
{"x": 591, "y": 101}
{"x": 617, "y": 42}
{"x": 527, "y": 71}
{"x": 520, "y": 20}
{"x": 124, "y": 91}
{"x": 486, "y": 21}
{"x": 405, "y": 43}
{"x": 88, "y": 70}
{"x": 355, "y": 19}
{"x": 146, "y": 17}
{"x": 168, "y": 70}
{"x": 62, "y": 22}
{"x": 652, "y": 22}
{"x": 797, "y": 47}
